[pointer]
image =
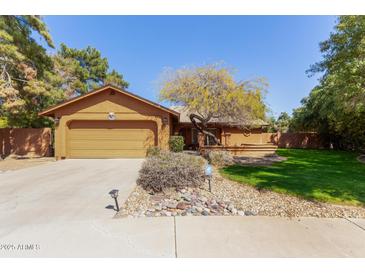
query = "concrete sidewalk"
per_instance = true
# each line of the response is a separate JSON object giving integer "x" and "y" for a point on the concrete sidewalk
{"x": 147, "y": 237}
{"x": 269, "y": 237}
{"x": 190, "y": 237}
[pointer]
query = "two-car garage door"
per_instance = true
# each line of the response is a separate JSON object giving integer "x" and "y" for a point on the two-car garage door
{"x": 110, "y": 139}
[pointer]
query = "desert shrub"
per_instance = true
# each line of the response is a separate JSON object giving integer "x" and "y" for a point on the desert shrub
{"x": 170, "y": 169}
{"x": 176, "y": 143}
{"x": 220, "y": 158}
{"x": 153, "y": 151}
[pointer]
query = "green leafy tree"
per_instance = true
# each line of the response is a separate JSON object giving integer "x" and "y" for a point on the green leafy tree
{"x": 31, "y": 79}
{"x": 22, "y": 63}
{"x": 63, "y": 79}
{"x": 77, "y": 71}
{"x": 272, "y": 127}
{"x": 3, "y": 122}
{"x": 90, "y": 69}
{"x": 116, "y": 79}
{"x": 283, "y": 122}
{"x": 211, "y": 93}
{"x": 336, "y": 106}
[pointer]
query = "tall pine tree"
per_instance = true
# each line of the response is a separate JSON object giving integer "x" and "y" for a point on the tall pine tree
{"x": 31, "y": 79}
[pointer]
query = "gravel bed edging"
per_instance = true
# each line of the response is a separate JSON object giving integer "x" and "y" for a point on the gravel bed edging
{"x": 228, "y": 198}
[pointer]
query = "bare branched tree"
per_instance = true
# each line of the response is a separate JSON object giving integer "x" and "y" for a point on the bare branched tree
{"x": 211, "y": 94}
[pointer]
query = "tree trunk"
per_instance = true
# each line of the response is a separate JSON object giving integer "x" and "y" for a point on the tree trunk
{"x": 201, "y": 126}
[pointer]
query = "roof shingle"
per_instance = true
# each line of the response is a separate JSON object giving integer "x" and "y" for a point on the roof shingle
{"x": 184, "y": 117}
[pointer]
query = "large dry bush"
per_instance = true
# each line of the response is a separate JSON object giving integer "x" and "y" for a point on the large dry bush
{"x": 220, "y": 158}
{"x": 169, "y": 169}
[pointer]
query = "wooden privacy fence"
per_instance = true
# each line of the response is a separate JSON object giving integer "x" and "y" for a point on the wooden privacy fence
{"x": 33, "y": 142}
{"x": 295, "y": 140}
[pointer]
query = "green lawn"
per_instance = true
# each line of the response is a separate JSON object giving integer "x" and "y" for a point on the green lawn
{"x": 328, "y": 176}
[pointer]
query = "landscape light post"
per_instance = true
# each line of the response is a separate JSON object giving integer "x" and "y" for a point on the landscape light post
{"x": 208, "y": 175}
{"x": 114, "y": 195}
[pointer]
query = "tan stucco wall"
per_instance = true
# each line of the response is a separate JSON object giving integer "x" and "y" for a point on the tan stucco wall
{"x": 97, "y": 107}
{"x": 236, "y": 137}
{"x": 229, "y": 136}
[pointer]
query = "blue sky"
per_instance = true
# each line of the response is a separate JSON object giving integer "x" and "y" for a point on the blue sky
{"x": 279, "y": 48}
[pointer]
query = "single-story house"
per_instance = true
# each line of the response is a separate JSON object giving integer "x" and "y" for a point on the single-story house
{"x": 227, "y": 135}
{"x": 113, "y": 123}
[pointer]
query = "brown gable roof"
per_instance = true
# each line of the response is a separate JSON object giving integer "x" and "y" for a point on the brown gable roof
{"x": 49, "y": 111}
{"x": 184, "y": 118}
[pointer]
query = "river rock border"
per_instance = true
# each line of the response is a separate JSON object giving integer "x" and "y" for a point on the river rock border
{"x": 228, "y": 198}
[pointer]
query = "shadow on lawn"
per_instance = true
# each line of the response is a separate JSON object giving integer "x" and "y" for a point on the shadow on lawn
{"x": 315, "y": 175}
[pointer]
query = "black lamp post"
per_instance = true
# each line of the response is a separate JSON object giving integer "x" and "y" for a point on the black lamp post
{"x": 208, "y": 175}
{"x": 114, "y": 195}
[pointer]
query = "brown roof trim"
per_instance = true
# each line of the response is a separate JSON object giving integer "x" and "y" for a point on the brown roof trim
{"x": 222, "y": 124}
{"x": 49, "y": 110}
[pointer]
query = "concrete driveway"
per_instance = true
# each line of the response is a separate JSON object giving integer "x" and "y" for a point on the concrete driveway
{"x": 63, "y": 192}
{"x": 58, "y": 210}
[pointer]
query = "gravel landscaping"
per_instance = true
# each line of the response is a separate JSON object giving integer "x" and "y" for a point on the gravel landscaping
{"x": 228, "y": 198}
